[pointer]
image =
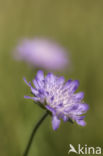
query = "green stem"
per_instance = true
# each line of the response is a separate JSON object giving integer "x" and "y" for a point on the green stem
{"x": 34, "y": 132}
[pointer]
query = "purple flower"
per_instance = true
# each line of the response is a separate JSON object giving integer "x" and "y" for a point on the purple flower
{"x": 42, "y": 53}
{"x": 58, "y": 97}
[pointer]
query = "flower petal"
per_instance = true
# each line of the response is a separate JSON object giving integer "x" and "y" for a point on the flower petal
{"x": 65, "y": 118}
{"x": 52, "y": 110}
{"x": 79, "y": 96}
{"x": 34, "y": 91}
{"x": 40, "y": 75}
{"x": 36, "y": 84}
{"x": 73, "y": 86}
{"x": 33, "y": 98}
{"x": 28, "y": 83}
{"x": 81, "y": 122}
{"x": 55, "y": 123}
{"x": 67, "y": 84}
{"x": 60, "y": 80}
{"x": 83, "y": 107}
{"x": 50, "y": 77}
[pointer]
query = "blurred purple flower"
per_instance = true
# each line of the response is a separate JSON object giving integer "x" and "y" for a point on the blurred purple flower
{"x": 58, "y": 97}
{"x": 42, "y": 53}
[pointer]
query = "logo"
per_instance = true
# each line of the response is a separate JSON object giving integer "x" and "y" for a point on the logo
{"x": 84, "y": 149}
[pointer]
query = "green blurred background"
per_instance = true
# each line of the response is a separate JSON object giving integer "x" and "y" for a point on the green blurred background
{"x": 78, "y": 26}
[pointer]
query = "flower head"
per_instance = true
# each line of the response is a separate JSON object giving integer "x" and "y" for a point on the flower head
{"x": 42, "y": 53}
{"x": 59, "y": 98}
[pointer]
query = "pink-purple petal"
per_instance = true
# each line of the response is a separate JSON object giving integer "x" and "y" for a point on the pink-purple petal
{"x": 79, "y": 96}
{"x": 73, "y": 86}
{"x": 33, "y": 98}
{"x": 81, "y": 122}
{"x": 40, "y": 75}
{"x": 55, "y": 123}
